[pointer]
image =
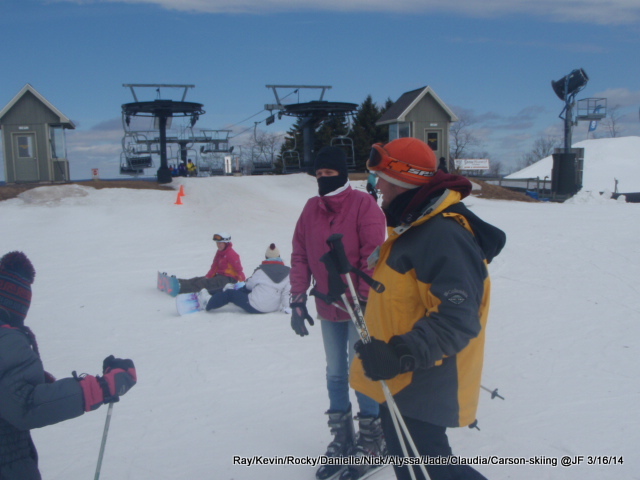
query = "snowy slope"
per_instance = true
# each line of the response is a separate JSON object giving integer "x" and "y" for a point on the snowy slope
{"x": 605, "y": 160}
{"x": 562, "y": 341}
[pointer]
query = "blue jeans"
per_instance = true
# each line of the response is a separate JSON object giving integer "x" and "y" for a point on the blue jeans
{"x": 339, "y": 338}
{"x": 237, "y": 297}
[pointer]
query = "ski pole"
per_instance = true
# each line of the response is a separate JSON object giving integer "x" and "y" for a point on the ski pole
{"x": 393, "y": 407}
{"x": 494, "y": 393}
{"x": 104, "y": 441}
{"x": 339, "y": 264}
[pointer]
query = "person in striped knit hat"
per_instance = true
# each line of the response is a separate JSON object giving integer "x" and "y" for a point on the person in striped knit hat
{"x": 30, "y": 397}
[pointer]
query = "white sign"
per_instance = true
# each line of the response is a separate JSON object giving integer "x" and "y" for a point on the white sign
{"x": 22, "y": 127}
{"x": 472, "y": 163}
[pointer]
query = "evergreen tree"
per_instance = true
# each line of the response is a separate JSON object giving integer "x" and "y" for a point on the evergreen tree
{"x": 292, "y": 150}
{"x": 366, "y": 132}
{"x": 363, "y": 134}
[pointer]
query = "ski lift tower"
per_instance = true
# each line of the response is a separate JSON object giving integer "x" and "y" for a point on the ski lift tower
{"x": 311, "y": 113}
{"x": 162, "y": 111}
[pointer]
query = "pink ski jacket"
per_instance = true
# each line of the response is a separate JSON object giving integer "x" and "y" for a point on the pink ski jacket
{"x": 227, "y": 262}
{"x": 358, "y": 218}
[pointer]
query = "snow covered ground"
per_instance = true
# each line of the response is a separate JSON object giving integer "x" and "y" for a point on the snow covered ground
{"x": 605, "y": 161}
{"x": 562, "y": 342}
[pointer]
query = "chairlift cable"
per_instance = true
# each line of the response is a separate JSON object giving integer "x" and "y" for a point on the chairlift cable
{"x": 263, "y": 110}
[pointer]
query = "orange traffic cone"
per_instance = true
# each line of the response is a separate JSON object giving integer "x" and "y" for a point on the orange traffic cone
{"x": 181, "y": 192}
{"x": 179, "y": 200}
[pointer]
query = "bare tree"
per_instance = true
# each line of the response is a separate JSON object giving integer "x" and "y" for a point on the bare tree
{"x": 612, "y": 121}
{"x": 262, "y": 148}
{"x": 461, "y": 137}
{"x": 495, "y": 168}
{"x": 542, "y": 147}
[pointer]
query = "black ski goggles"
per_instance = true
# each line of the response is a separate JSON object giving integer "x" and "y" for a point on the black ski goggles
{"x": 220, "y": 238}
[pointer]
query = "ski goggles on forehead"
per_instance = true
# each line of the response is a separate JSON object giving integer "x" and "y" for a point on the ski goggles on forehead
{"x": 379, "y": 159}
{"x": 219, "y": 238}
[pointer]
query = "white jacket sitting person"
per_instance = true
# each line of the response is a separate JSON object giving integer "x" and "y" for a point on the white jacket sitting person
{"x": 267, "y": 290}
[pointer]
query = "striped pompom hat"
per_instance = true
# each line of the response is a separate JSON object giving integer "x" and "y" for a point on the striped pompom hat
{"x": 16, "y": 276}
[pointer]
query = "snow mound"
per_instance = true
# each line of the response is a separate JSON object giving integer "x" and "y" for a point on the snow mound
{"x": 595, "y": 198}
{"x": 53, "y": 195}
{"x": 606, "y": 160}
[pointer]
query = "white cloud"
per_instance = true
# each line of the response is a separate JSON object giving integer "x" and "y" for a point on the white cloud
{"x": 584, "y": 11}
{"x": 620, "y": 96}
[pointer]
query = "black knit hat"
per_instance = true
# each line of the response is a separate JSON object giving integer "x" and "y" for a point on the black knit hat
{"x": 16, "y": 276}
{"x": 332, "y": 157}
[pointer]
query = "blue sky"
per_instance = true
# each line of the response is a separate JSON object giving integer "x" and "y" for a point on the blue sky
{"x": 489, "y": 60}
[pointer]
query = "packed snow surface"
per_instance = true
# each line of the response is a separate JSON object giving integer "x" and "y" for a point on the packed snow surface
{"x": 563, "y": 336}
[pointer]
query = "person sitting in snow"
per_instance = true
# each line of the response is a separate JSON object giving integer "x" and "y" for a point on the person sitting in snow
{"x": 226, "y": 268}
{"x": 29, "y": 396}
{"x": 267, "y": 290}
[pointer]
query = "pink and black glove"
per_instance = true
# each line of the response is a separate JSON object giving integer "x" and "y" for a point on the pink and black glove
{"x": 118, "y": 376}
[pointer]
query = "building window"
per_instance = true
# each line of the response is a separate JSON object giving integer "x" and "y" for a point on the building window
{"x": 25, "y": 146}
{"x": 399, "y": 130}
{"x": 58, "y": 144}
{"x": 432, "y": 140}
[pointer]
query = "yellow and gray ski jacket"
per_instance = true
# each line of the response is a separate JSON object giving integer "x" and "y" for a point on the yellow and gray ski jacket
{"x": 437, "y": 301}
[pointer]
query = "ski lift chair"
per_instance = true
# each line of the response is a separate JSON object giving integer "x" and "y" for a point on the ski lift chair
{"x": 346, "y": 143}
{"x": 261, "y": 168}
{"x": 126, "y": 168}
{"x": 291, "y": 162}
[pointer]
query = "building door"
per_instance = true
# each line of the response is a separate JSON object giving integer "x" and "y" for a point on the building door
{"x": 25, "y": 157}
{"x": 433, "y": 138}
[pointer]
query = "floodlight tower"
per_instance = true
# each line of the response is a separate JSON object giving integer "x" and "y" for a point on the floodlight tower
{"x": 564, "y": 176}
{"x": 566, "y": 89}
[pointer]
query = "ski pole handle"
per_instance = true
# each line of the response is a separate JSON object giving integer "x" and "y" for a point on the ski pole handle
{"x": 342, "y": 262}
{"x": 340, "y": 257}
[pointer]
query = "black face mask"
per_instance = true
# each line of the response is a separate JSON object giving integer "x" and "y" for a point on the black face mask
{"x": 330, "y": 184}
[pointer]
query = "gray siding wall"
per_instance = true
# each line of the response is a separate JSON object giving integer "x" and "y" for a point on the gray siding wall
{"x": 429, "y": 115}
{"x": 28, "y": 111}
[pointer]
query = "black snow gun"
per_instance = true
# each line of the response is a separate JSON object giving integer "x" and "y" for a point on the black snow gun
{"x": 337, "y": 264}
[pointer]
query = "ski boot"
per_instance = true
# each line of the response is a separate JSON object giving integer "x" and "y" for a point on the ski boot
{"x": 203, "y": 299}
{"x": 370, "y": 442}
{"x": 341, "y": 425}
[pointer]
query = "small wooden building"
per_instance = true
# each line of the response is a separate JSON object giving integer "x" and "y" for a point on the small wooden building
{"x": 421, "y": 114}
{"x": 33, "y": 139}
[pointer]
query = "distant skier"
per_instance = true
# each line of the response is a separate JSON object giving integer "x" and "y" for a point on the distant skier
{"x": 371, "y": 186}
{"x": 29, "y": 396}
{"x": 192, "y": 170}
{"x": 226, "y": 268}
{"x": 265, "y": 291}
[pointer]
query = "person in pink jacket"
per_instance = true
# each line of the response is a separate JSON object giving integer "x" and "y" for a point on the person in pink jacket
{"x": 226, "y": 268}
{"x": 355, "y": 215}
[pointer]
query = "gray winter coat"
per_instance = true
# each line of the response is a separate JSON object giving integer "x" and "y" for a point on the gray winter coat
{"x": 27, "y": 402}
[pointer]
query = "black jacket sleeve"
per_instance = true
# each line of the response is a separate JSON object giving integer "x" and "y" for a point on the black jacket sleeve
{"x": 26, "y": 401}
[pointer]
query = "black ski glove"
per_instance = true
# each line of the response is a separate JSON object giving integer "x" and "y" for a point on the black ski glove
{"x": 299, "y": 314}
{"x": 384, "y": 361}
